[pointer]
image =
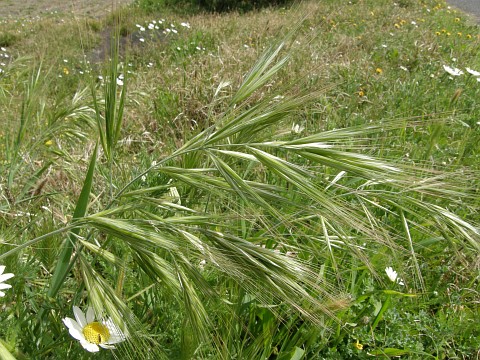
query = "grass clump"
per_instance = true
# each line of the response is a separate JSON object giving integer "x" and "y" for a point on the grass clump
{"x": 8, "y": 39}
{"x": 224, "y": 191}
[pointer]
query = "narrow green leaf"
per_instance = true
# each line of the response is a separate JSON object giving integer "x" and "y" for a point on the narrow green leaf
{"x": 398, "y": 293}
{"x": 100, "y": 121}
{"x": 389, "y": 352}
{"x": 61, "y": 270}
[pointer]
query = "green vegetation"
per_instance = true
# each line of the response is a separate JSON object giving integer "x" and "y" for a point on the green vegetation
{"x": 237, "y": 187}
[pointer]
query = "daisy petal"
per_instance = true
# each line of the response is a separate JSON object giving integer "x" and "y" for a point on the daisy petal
{"x": 79, "y": 316}
{"x": 5, "y": 286}
{"x": 90, "y": 315}
{"x": 115, "y": 339}
{"x": 74, "y": 329}
{"x": 473, "y": 72}
{"x": 114, "y": 330}
{"x": 452, "y": 71}
{"x": 78, "y": 335}
{"x": 2, "y": 269}
{"x": 105, "y": 346}
{"x": 5, "y": 277}
{"x": 2, "y": 294}
{"x": 89, "y": 346}
{"x": 116, "y": 335}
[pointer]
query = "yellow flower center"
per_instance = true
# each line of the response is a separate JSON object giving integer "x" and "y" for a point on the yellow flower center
{"x": 96, "y": 333}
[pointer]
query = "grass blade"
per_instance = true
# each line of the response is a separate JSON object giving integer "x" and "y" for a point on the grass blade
{"x": 63, "y": 264}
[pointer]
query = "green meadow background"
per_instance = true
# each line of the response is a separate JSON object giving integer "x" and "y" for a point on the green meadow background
{"x": 233, "y": 185}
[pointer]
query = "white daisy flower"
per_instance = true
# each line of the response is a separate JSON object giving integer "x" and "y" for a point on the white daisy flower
{"x": 473, "y": 72}
{"x": 393, "y": 276}
{"x": 453, "y": 71}
{"x": 91, "y": 333}
{"x": 297, "y": 128}
{"x": 4, "y": 277}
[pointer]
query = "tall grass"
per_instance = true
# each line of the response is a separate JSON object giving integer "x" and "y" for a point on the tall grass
{"x": 240, "y": 237}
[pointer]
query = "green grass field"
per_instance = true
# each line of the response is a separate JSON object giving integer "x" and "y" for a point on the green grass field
{"x": 287, "y": 183}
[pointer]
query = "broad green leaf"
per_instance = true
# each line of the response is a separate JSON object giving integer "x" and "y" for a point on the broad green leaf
{"x": 297, "y": 354}
{"x": 4, "y": 353}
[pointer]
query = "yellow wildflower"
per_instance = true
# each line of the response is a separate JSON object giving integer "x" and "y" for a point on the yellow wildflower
{"x": 469, "y": 36}
{"x": 438, "y": 33}
{"x": 65, "y": 71}
{"x": 397, "y": 26}
{"x": 48, "y": 143}
{"x": 379, "y": 70}
{"x": 457, "y": 19}
{"x": 358, "y": 345}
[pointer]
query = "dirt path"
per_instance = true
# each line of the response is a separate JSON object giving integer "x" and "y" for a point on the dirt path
{"x": 24, "y": 8}
{"x": 469, "y": 6}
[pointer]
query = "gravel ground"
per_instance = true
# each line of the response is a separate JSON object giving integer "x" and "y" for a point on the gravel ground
{"x": 469, "y": 6}
{"x": 27, "y": 8}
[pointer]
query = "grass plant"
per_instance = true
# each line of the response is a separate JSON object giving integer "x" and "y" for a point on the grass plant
{"x": 234, "y": 187}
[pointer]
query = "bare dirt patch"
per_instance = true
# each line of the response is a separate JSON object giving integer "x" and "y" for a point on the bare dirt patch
{"x": 90, "y": 8}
